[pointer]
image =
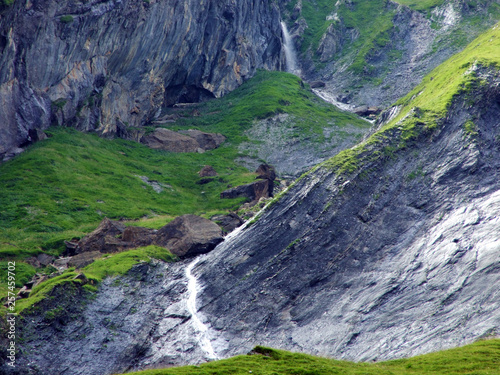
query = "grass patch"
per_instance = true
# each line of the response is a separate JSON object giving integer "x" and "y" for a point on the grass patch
{"x": 110, "y": 265}
{"x": 121, "y": 263}
{"x": 481, "y": 358}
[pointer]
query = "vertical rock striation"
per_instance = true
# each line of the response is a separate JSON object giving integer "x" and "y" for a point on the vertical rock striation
{"x": 111, "y": 65}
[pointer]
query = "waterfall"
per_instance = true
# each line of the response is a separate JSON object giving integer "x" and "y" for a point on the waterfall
{"x": 290, "y": 54}
{"x": 199, "y": 326}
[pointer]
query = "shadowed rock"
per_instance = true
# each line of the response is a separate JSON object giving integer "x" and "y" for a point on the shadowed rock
{"x": 104, "y": 239}
{"x": 253, "y": 191}
{"x": 189, "y": 235}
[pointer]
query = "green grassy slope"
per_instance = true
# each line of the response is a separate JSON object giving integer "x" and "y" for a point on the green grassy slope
{"x": 62, "y": 187}
{"x": 481, "y": 358}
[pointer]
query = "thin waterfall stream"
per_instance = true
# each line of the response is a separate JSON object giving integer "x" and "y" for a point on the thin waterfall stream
{"x": 199, "y": 326}
{"x": 290, "y": 53}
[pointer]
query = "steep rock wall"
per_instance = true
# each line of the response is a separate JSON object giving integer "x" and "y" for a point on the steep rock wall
{"x": 111, "y": 65}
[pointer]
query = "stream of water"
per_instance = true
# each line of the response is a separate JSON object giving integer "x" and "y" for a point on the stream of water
{"x": 290, "y": 53}
{"x": 199, "y": 326}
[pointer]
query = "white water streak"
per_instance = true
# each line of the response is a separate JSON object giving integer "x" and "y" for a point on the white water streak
{"x": 290, "y": 53}
{"x": 199, "y": 326}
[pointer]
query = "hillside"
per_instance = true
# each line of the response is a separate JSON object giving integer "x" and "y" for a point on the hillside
{"x": 171, "y": 198}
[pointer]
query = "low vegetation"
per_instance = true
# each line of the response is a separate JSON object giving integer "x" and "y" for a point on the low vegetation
{"x": 109, "y": 265}
{"x": 480, "y": 358}
{"x": 62, "y": 187}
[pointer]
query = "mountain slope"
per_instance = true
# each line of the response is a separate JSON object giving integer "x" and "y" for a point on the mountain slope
{"x": 387, "y": 250}
{"x": 481, "y": 358}
{"x": 374, "y": 52}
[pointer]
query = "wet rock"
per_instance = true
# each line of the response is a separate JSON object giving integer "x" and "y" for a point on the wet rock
{"x": 253, "y": 191}
{"x": 228, "y": 222}
{"x": 84, "y": 259}
{"x": 189, "y": 235}
{"x": 207, "y": 171}
{"x": 105, "y": 239}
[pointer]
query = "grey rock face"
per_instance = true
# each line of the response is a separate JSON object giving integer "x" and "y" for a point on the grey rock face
{"x": 110, "y": 65}
{"x": 400, "y": 258}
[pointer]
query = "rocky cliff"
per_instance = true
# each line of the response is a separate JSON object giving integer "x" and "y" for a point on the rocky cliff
{"x": 110, "y": 66}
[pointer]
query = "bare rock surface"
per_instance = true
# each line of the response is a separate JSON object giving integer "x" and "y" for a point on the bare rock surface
{"x": 189, "y": 235}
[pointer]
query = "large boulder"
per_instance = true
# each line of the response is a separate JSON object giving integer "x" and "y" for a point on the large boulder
{"x": 169, "y": 140}
{"x": 206, "y": 141}
{"x": 189, "y": 235}
{"x": 84, "y": 259}
{"x": 253, "y": 191}
{"x": 106, "y": 238}
{"x": 139, "y": 236}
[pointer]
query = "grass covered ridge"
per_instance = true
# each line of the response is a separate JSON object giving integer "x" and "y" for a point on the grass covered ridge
{"x": 480, "y": 358}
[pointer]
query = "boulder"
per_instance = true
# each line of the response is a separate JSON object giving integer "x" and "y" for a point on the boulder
{"x": 169, "y": 140}
{"x": 106, "y": 238}
{"x": 207, "y": 171}
{"x": 206, "y": 141}
{"x": 84, "y": 259}
{"x": 45, "y": 259}
{"x": 183, "y": 141}
{"x": 317, "y": 84}
{"x": 366, "y": 111}
{"x": 228, "y": 222}
{"x": 189, "y": 235}
{"x": 138, "y": 236}
{"x": 253, "y": 191}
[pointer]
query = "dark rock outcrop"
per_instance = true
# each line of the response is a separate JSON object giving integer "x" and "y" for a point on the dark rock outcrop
{"x": 105, "y": 239}
{"x": 228, "y": 222}
{"x": 189, "y": 235}
{"x": 111, "y": 66}
{"x": 253, "y": 191}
